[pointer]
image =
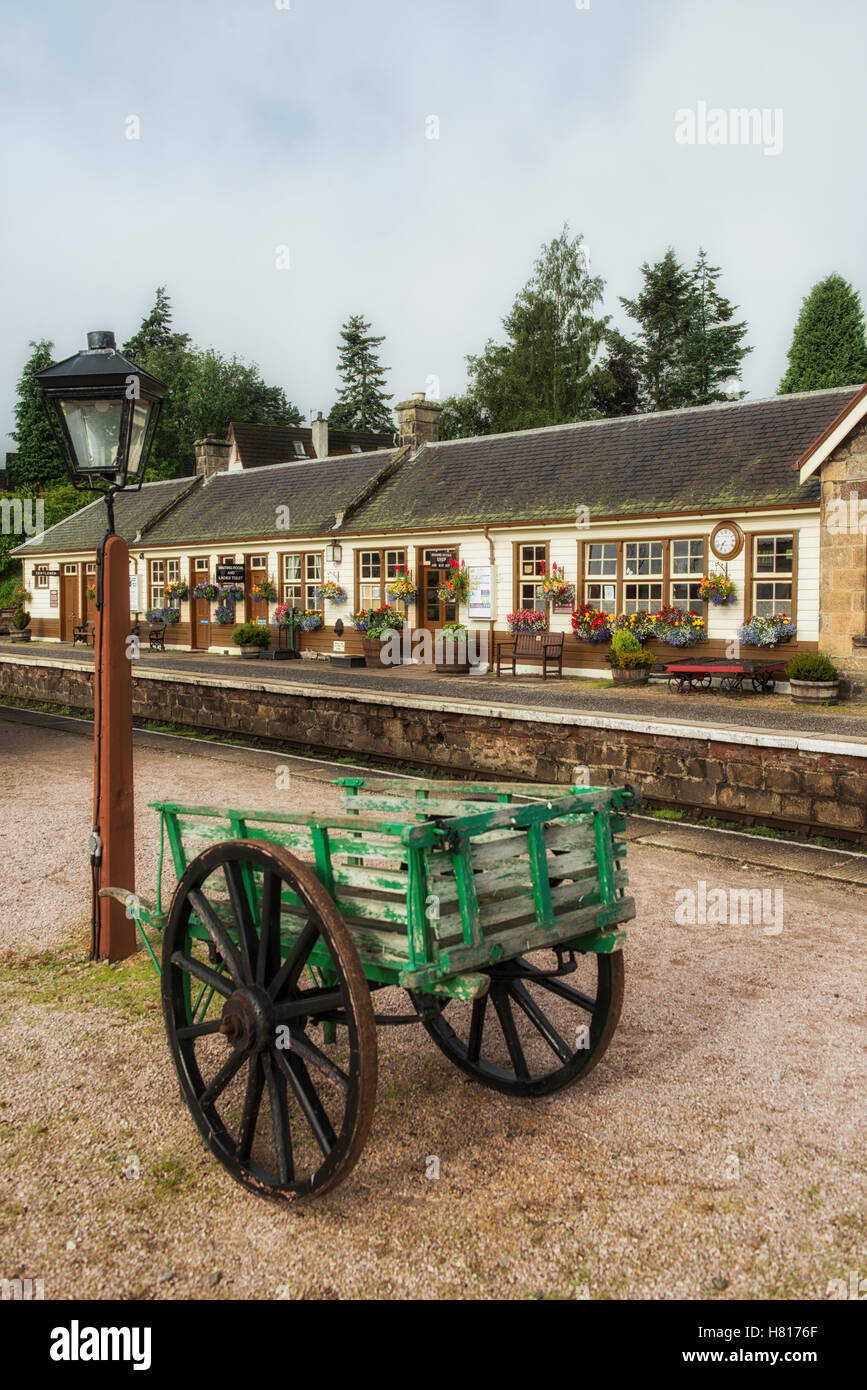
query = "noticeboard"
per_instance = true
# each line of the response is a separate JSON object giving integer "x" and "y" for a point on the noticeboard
{"x": 482, "y": 597}
{"x": 438, "y": 559}
{"x": 230, "y": 574}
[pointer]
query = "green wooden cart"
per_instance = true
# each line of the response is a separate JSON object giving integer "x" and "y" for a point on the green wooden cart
{"x": 498, "y": 908}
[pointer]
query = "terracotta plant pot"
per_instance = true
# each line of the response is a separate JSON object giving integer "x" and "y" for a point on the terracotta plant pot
{"x": 814, "y": 692}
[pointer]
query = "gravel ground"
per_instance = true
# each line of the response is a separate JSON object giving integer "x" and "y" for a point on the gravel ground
{"x": 847, "y": 720}
{"x": 716, "y": 1151}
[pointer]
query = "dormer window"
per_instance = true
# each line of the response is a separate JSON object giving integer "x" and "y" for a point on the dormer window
{"x": 300, "y": 450}
{"x": 355, "y": 448}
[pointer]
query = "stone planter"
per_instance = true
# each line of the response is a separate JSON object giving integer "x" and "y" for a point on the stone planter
{"x": 814, "y": 692}
{"x": 630, "y": 675}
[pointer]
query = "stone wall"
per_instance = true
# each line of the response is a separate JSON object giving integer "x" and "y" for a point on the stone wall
{"x": 843, "y": 559}
{"x": 758, "y": 774}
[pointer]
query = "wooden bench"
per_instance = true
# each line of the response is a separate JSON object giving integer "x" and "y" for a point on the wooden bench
{"x": 543, "y": 649}
{"x": 83, "y": 633}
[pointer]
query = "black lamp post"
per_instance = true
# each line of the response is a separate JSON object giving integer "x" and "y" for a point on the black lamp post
{"x": 103, "y": 411}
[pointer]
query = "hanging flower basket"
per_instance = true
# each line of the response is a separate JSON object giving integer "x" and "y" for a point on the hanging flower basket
{"x": 177, "y": 592}
{"x": 264, "y": 591}
{"x": 402, "y": 587}
{"x": 310, "y": 620}
{"x": 554, "y": 587}
{"x": 230, "y": 593}
{"x": 283, "y": 614}
{"x": 155, "y": 615}
{"x": 717, "y": 588}
{"x": 678, "y": 628}
{"x": 767, "y": 632}
{"x": 641, "y": 625}
{"x": 207, "y": 591}
{"x": 334, "y": 593}
{"x": 527, "y": 620}
{"x": 591, "y": 624}
{"x": 225, "y": 614}
{"x": 456, "y": 587}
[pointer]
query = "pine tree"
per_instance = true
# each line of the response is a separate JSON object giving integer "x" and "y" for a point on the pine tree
{"x": 38, "y": 461}
{"x": 829, "y": 346}
{"x": 548, "y": 373}
{"x": 361, "y": 404}
{"x": 155, "y": 332}
{"x": 687, "y": 347}
{"x": 712, "y": 348}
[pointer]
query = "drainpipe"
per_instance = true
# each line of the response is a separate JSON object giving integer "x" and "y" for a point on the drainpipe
{"x": 487, "y": 537}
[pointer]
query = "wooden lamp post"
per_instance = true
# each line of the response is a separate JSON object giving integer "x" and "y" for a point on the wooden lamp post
{"x": 103, "y": 411}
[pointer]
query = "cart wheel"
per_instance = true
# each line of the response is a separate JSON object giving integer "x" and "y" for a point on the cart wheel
{"x": 764, "y": 685}
{"x": 674, "y": 684}
{"x": 243, "y": 984}
{"x": 706, "y": 681}
{"x": 729, "y": 684}
{"x": 507, "y": 1038}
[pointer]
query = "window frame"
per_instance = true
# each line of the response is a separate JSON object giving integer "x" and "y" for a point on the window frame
{"x": 387, "y": 571}
{"x": 305, "y": 582}
{"x": 753, "y": 577}
{"x": 41, "y": 577}
{"x": 690, "y": 577}
{"x": 519, "y": 579}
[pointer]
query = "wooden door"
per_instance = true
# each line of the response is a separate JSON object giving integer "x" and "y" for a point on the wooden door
{"x": 257, "y": 570}
{"x": 200, "y": 608}
{"x": 433, "y": 612}
{"x": 70, "y": 600}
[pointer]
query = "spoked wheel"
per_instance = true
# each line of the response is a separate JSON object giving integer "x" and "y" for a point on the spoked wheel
{"x": 675, "y": 685}
{"x": 241, "y": 1002}
{"x": 533, "y": 1032}
{"x": 764, "y": 685}
{"x": 706, "y": 681}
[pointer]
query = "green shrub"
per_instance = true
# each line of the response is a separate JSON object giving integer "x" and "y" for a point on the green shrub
{"x": 251, "y": 635}
{"x": 453, "y": 632}
{"x": 625, "y": 641}
{"x": 630, "y": 660}
{"x": 811, "y": 666}
{"x": 20, "y": 619}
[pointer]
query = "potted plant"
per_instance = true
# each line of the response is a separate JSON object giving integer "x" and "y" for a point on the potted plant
{"x": 451, "y": 646}
{"x": 814, "y": 680}
{"x": 264, "y": 590}
{"x": 90, "y": 591}
{"x": 251, "y": 638}
{"x": 209, "y": 591}
{"x": 377, "y": 626}
{"x": 310, "y": 619}
{"x": 554, "y": 586}
{"x": 402, "y": 587}
{"x": 641, "y": 625}
{"x": 717, "y": 588}
{"x": 455, "y": 588}
{"x": 630, "y": 662}
{"x": 328, "y": 589}
{"x": 677, "y": 627}
{"x": 591, "y": 624}
{"x": 527, "y": 620}
{"x": 20, "y": 624}
{"x": 224, "y": 614}
{"x": 177, "y": 593}
{"x": 170, "y": 615}
{"x": 767, "y": 631}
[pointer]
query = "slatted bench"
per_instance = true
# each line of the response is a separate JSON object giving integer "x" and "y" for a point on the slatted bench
{"x": 543, "y": 649}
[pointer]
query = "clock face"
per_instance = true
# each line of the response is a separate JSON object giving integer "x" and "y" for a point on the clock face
{"x": 726, "y": 540}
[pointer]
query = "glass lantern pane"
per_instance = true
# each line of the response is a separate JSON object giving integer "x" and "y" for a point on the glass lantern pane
{"x": 140, "y": 416}
{"x": 94, "y": 428}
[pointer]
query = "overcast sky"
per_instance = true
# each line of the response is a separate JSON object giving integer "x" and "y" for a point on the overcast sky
{"x": 304, "y": 124}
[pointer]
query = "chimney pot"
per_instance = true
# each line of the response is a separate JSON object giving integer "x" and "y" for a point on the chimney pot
{"x": 418, "y": 420}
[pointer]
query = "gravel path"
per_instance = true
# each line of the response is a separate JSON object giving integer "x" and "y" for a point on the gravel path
{"x": 718, "y": 1149}
{"x": 847, "y": 720}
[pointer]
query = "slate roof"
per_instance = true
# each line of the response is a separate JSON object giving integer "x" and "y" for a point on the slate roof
{"x": 241, "y": 504}
{"x": 133, "y": 513}
{"x": 703, "y": 458}
{"x": 261, "y": 445}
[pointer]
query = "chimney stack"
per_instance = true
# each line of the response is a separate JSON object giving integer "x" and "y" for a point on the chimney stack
{"x": 320, "y": 437}
{"x": 418, "y": 420}
{"x": 212, "y": 456}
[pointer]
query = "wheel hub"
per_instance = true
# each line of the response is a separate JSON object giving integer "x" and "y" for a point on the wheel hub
{"x": 248, "y": 1019}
